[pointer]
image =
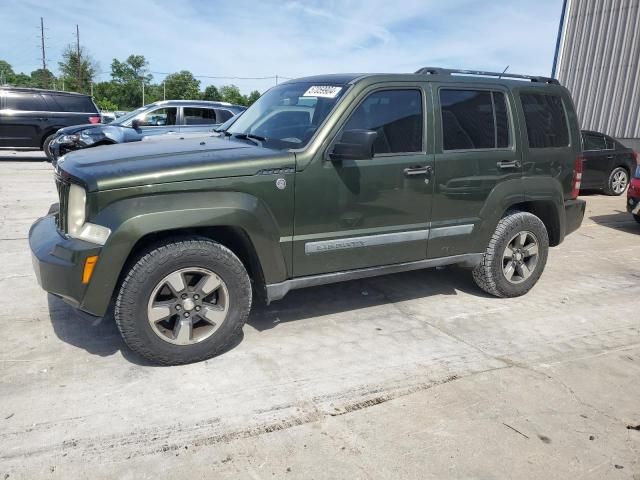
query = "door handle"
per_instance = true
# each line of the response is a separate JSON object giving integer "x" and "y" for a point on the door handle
{"x": 609, "y": 157}
{"x": 413, "y": 171}
{"x": 43, "y": 119}
{"x": 507, "y": 164}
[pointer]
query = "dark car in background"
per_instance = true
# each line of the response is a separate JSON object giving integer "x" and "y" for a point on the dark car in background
{"x": 607, "y": 164}
{"x": 30, "y": 117}
{"x": 164, "y": 117}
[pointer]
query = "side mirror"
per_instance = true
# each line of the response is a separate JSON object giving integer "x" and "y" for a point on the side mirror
{"x": 135, "y": 123}
{"x": 354, "y": 145}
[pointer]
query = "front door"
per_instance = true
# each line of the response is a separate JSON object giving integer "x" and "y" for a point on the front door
{"x": 596, "y": 160}
{"x": 159, "y": 121}
{"x": 355, "y": 214}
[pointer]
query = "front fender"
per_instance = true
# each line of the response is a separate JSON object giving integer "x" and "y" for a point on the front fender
{"x": 132, "y": 219}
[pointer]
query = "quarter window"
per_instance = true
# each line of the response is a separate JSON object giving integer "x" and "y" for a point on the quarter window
{"x": 223, "y": 115}
{"x": 546, "y": 120}
{"x": 396, "y": 115}
{"x": 474, "y": 119}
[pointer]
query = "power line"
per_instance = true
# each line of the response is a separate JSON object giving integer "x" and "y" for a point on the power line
{"x": 217, "y": 77}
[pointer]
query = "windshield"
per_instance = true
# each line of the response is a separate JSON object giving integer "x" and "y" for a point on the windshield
{"x": 288, "y": 115}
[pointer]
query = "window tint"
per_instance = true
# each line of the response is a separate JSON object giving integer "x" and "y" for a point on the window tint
{"x": 611, "y": 143}
{"x": 591, "y": 141}
{"x": 223, "y": 115}
{"x": 545, "y": 119}
{"x": 70, "y": 103}
{"x": 25, "y": 101}
{"x": 397, "y": 117}
{"x": 159, "y": 117}
{"x": 199, "y": 116}
{"x": 473, "y": 119}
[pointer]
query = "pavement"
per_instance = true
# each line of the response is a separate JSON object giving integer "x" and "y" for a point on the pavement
{"x": 416, "y": 375}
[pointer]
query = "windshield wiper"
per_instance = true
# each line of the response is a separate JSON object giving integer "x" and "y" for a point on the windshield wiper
{"x": 251, "y": 136}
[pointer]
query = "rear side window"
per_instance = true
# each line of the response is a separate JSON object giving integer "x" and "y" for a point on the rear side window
{"x": 199, "y": 116}
{"x": 71, "y": 103}
{"x": 591, "y": 141}
{"x": 396, "y": 115}
{"x": 25, "y": 101}
{"x": 474, "y": 119}
{"x": 546, "y": 120}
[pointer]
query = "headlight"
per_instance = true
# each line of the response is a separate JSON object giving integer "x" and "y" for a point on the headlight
{"x": 67, "y": 138}
{"x": 76, "y": 216}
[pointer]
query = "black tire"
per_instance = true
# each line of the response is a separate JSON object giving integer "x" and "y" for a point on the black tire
{"x": 489, "y": 274}
{"x": 154, "y": 265}
{"x": 610, "y": 188}
{"x": 637, "y": 218}
{"x": 45, "y": 147}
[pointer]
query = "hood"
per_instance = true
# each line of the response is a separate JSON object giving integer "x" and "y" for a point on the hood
{"x": 76, "y": 128}
{"x": 144, "y": 163}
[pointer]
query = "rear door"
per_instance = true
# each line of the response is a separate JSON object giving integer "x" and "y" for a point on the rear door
{"x": 475, "y": 157}
{"x": 68, "y": 110}
{"x": 22, "y": 119}
{"x": 597, "y": 160}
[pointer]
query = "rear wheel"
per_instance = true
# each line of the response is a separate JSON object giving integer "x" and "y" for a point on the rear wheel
{"x": 637, "y": 218}
{"x": 515, "y": 257}
{"x": 617, "y": 182}
{"x": 183, "y": 301}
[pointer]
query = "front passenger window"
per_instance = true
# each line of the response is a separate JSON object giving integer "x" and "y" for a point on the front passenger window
{"x": 159, "y": 118}
{"x": 396, "y": 115}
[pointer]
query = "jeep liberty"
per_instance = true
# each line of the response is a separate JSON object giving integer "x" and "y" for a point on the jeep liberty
{"x": 323, "y": 179}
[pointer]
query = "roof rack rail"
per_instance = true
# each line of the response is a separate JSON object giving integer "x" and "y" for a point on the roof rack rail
{"x": 449, "y": 71}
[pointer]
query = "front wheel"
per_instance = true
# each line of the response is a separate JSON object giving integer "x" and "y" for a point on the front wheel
{"x": 46, "y": 147}
{"x": 183, "y": 301}
{"x": 515, "y": 257}
{"x": 617, "y": 182}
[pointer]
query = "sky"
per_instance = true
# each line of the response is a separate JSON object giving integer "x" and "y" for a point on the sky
{"x": 242, "y": 38}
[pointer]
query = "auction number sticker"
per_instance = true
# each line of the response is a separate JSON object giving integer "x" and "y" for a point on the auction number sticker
{"x": 326, "y": 91}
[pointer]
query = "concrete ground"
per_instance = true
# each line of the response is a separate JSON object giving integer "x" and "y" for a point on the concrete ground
{"x": 416, "y": 375}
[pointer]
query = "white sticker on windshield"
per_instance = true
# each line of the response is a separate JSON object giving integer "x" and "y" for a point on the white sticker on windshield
{"x": 326, "y": 91}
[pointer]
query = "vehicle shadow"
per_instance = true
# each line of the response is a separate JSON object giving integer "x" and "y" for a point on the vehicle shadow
{"x": 100, "y": 335}
{"x": 621, "y": 220}
{"x": 32, "y": 156}
{"x": 357, "y": 294}
{"x": 97, "y": 335}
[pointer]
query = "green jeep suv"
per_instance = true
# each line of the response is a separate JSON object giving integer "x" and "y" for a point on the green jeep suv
{"x": 323, "y": 179}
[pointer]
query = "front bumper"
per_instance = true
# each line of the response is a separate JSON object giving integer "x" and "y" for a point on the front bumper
{"x": 573, "y": 214}
{"x": 59, "y": 261}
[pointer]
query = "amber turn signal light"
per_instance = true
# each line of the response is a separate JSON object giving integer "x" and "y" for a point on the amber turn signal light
{"x": 89, "y": 265}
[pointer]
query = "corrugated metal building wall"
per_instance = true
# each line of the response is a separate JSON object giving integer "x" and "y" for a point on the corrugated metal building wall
{"x": 599, "y": 62}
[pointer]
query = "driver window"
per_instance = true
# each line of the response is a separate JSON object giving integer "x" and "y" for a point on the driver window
{"x": 396, "y": 115}
{"x": 159, "y": 118}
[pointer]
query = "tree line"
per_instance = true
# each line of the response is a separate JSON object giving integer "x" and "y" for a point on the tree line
{"x": 125, "y": 89}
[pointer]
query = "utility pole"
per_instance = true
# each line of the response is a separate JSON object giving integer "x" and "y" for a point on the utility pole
{"x": 276, "y": 79}
{"x": 164, "y": 90}
{"x": 143, "y": 91}
{"x": 79, "y": 60}
{"x": 44, "y": 58}
{"x": 92, "y": 89}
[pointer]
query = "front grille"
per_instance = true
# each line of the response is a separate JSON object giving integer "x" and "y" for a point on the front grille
{"x": 63, "y": 196}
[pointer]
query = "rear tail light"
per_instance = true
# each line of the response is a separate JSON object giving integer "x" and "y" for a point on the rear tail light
{"x": 577, "y": 178}
{"x": 94, "y": 119}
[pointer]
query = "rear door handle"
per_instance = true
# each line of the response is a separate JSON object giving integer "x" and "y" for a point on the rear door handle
{"x": 43, "y": 119}
{"x": 413, "y": 171}
{"x": 511, "y": 164}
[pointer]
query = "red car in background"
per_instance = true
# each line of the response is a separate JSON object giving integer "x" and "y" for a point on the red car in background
{"x": 633, "y": 194}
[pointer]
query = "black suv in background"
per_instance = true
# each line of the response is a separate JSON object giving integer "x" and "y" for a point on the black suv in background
{"x": 30, "y": 117}
{"x": 167, "y": 116}
{"x": 607, "y": 165}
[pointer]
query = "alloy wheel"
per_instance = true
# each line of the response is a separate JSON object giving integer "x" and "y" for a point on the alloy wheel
{"x": 520, "y": 257}
{"x": 619, "y": 182}
{"x": 188, "y": 306}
